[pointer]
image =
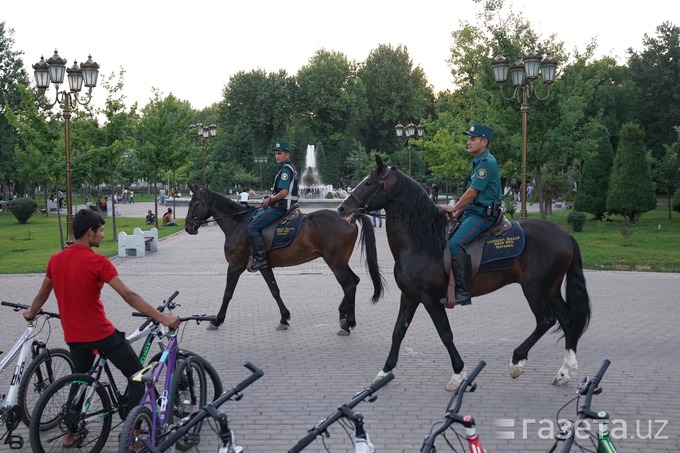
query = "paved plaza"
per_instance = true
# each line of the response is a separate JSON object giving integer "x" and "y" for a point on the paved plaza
{"x": 310, "y": 371}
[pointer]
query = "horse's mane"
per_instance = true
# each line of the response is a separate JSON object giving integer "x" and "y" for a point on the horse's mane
{"x": 426, "y": 222}
{"x": 223, "y": 204}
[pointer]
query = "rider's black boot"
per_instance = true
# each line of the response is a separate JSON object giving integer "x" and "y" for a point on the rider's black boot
{"x": 461, "y": 266}
{"x": 259, "y": 253}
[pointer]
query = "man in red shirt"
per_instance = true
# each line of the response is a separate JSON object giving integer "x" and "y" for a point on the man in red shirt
{"x": 77, "y": 275}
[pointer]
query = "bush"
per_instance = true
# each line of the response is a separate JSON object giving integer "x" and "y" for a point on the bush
{"x": 23, "y": 209}
{"x": 576, "y": 219}
{"x": 509, "y": 205}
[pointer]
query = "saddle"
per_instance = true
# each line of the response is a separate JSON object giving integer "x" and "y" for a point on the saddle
{"x": 280, "y": 234}
{"x": 495, "y": 249}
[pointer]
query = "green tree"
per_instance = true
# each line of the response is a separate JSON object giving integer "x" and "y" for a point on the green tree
{"x": 396, "y": 91}
{"x": 12, "y": 77}
{"x": 162, "y": 135}
{"x": 656, "y": 72}
{"x": 591, "y": 196}
{"x": 631, "y": 192}
{"x": 667, "y": 171}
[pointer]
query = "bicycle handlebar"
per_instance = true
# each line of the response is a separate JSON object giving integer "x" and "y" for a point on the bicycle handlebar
{"x": 160, "y": 308}
{"x": 452, "y": 416}
{"x": 322, "y": 426}
{"x": 18, "y": 307}
{"x": 588, "y": 388}
{"x": 207, "y": 411}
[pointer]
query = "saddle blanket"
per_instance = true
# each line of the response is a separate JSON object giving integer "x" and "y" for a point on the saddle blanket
{"x": 502, "y": 247}
{"x": 285, "y": 232}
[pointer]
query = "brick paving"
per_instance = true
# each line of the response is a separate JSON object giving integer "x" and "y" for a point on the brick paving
{"x": 310, "y": 371}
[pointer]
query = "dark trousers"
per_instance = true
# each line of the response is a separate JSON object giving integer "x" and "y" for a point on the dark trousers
{"x": 264, "y": 218}
{"x": 119, "y": 352}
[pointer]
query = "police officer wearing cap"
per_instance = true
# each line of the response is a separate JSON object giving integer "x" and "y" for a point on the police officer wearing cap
{"x": 273, "y": 208}
{"x": 476, "y": 209}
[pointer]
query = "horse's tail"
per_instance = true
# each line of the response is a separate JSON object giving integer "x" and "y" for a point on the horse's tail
{"x": 369, "y": 248}
{"x": 578, "y": 301}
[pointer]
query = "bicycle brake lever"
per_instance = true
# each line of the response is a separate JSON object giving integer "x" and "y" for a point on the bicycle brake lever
{"x": 372, "y": 398}
{"x": 238, "y": 396}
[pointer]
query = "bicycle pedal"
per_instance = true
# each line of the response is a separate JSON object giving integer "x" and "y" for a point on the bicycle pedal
{"x": 15, "y": 442}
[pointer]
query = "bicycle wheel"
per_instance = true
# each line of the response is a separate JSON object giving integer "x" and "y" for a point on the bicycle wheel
{"x": 138, "y": 425}
{"x": 187, "y": 395}
{"x": 59, "y": 408}
{"x": 47, "y": 367}
{"x": 210, "y": 372}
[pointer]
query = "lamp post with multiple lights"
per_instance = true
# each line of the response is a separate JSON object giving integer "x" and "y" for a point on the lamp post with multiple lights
{"x": 205, "y": 133}
{"x": 409, "y": 132}
{"x": 524, "y": 74}
{"x": 260, "y": 160}
{"x": 53, "y": 71}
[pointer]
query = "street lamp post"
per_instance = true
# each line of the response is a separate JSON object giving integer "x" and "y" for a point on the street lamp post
{"x": 260, "y": 160}
{"x": 205, "y": 133}
{"x": 356, "y": 159}
{"x": 409, "y": 132}
{"x": 53, "y": 70}
{"x": 524, "y": 74}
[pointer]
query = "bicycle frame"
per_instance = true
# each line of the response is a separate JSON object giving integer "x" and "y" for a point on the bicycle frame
{"x": 22, "y": 347}
{"x": 210, "y": 410}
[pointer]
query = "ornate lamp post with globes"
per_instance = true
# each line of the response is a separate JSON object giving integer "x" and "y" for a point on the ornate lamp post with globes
{"x": 205, "y": 133}
{"x": 409, "y": 132}
{"x": 524, "y": 74}
{"x": 260, "y": 160}
{"x": 53, "y": 71}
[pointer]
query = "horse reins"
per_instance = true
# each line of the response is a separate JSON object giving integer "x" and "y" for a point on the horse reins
{"x": 197, "y": 223}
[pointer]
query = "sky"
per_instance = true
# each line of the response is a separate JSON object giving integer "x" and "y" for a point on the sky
{"x": 192, "y": 49}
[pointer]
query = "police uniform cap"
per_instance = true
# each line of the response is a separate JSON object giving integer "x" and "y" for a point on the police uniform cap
{"x": 477, "y": 130}
{"x": 282, "y": 146}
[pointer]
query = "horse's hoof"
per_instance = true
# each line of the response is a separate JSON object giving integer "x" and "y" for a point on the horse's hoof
{"x": 518, "y": 369}
{"x": 282, "y": 326}
{"x": 212, "y": 326}
{"x": 343, "y": 333}
{"x": 378, "y": 377}
{"x": 569, "y": 368}
{"x": 455, "y": 380}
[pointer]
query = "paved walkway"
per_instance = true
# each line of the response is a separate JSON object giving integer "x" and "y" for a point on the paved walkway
{"x": 310, "y": 371}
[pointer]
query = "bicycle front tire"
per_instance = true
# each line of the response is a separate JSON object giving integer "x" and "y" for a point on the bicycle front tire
{"x": 138, "y": 425}
{"x": 188, "y": 394}
{"x": 210, "y": 371}
{"x": 46, "y": 368}
{"x": 57, "y": 409}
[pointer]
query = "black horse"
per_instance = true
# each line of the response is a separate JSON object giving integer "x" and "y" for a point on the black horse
{"x": 416, "y": 234}
{"x": 323, "y": 234}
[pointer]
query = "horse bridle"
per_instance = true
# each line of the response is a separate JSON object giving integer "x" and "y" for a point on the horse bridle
{"x": 197, "y": 223}
{"x": 363, "y": 206}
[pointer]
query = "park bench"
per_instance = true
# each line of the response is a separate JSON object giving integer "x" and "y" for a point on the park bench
{"x": 138, "y": 243}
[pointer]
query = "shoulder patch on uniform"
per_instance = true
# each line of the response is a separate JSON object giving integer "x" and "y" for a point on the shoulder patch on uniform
{"x": 481, "y": 173}
{"x": 284, "y": 176}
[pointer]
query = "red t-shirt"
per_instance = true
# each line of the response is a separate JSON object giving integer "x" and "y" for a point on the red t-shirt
{"x": 78, "y": 275}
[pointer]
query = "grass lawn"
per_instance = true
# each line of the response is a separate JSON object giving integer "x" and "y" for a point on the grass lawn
{"x": 25, "y": 249}
{"x": 651, "y": 244}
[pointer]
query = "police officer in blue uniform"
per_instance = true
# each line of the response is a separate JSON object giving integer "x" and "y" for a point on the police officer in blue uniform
{"x": 476, "y": 209}
{"x": 273, "y": 208}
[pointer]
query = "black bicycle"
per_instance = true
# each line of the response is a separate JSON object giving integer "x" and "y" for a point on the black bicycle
{"x": 362, "y": 442}
{"x": 185, "y": 431}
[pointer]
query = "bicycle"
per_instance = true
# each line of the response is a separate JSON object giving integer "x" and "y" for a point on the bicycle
{"x": 452, "y": 417}
{"x": 30, "y": 376}
{"x": 362, "y": 441}
{"x": 98, "y": 389}
{"x": 185, "y": 430}
{"x": 568, "y": 434}
{"x": 184, "y": 390}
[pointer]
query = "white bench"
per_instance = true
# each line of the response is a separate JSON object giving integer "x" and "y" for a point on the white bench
{"x": 138, "y": 243}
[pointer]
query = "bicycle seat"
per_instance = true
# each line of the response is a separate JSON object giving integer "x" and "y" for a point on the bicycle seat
{"x": 146, "y": 374}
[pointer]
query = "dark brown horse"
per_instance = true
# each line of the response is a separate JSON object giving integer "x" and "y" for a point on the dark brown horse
{"x": 323, "y": 234}
{"x": 416, "y": 234}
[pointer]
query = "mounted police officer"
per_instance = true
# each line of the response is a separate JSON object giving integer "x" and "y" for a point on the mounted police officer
{"x": 273, "y": 208}
{"x": 477, "y": 209}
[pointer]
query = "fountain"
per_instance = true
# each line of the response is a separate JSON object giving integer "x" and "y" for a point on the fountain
{"x": 310, "y": 182}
